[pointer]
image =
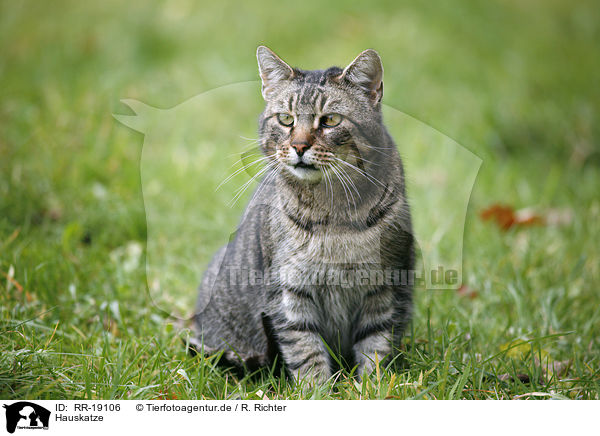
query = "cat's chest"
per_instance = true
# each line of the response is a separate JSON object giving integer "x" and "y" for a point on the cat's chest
{"x": 330, "y": 246}
{"x": 328, "y": 259}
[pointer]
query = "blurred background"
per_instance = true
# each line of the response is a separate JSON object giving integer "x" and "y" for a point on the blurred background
{"x": 505, "y": 79}
{"x": 514, "y": 82}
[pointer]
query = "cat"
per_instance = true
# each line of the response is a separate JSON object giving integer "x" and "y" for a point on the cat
{"x": 306, "y": 278}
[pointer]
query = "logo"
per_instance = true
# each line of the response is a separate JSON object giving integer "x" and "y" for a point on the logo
{"x": 26, "y": 415}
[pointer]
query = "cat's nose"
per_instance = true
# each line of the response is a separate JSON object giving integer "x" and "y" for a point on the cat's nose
{"x": 300, "y": 147}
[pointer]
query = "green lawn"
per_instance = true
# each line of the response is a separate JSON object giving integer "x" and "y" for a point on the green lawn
{"x": 514, "y": 82}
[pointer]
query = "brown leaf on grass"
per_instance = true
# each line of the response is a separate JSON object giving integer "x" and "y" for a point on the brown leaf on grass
{"x": 553, "y": 368}
{"x": 506, "y": 217}
{"x": 262, "y": 395}
{"x": 465, "y": 291}
{"x": 166, "y": 395}
{"x": 503, "y": 215}
{"x": 528, "y": 217}
{"x": 523, "y": 378}
{"x": 10, "y": 279}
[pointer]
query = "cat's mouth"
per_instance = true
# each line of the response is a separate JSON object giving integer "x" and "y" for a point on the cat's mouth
{"x": 306, "y": 166}
{"x": 305, "y": 171}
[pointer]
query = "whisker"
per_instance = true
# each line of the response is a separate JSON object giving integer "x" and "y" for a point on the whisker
{"x": 245, "y": 186}
{"x": 346, "y": 191}
{"x": 330, "y": 183}
{"x": 266, "y": 180}
{"x": 350, "y": 181}
{"x": 368, "y": 161}
{"x": 350, "y": 184}
{"x": 243, "y": 168}
{"x": 243, "y": 155}
{"x": 370, "y": 178}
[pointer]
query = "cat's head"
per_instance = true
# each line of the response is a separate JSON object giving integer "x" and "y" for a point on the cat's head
{"x": 320, "y": 122}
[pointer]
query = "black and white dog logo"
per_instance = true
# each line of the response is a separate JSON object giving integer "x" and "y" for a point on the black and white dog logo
{"x": 26, "y": 415}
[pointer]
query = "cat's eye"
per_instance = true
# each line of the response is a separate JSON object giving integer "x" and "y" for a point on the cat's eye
{"x": 331, "y": 120}
{"x": 285, "y": 119}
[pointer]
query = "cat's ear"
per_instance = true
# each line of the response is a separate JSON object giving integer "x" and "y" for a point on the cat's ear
{"x": 272, "y": 70}
{"x": 366, "y": 72}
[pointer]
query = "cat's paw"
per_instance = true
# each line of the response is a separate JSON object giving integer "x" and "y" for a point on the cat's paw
{"x": 313, "y": 376}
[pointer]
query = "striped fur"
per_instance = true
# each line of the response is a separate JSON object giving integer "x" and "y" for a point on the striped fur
{"x": 331, "y": 209}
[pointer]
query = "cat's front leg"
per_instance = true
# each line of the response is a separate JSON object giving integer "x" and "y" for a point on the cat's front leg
{"x": 297, "y": 329}
{"x": 373, "y": 332}
{"x": 304, "y": 355}
{"x": 372, "y": 351}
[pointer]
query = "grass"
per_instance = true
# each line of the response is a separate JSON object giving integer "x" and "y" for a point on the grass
{"x": 514, "y": 83}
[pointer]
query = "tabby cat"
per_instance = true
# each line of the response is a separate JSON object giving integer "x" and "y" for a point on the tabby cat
{"x": 311, "y": 277}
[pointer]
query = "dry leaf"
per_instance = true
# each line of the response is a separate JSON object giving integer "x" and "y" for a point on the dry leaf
{"x": 465, "y": 291}
{"x": 166, "y": 395}
{"x": 528, "y": 217}
{"x": 503, "y": 215}
{"x": 506, "y": 217}
{"x": 523, "y": 378}
{"x": 262, "y": 395}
